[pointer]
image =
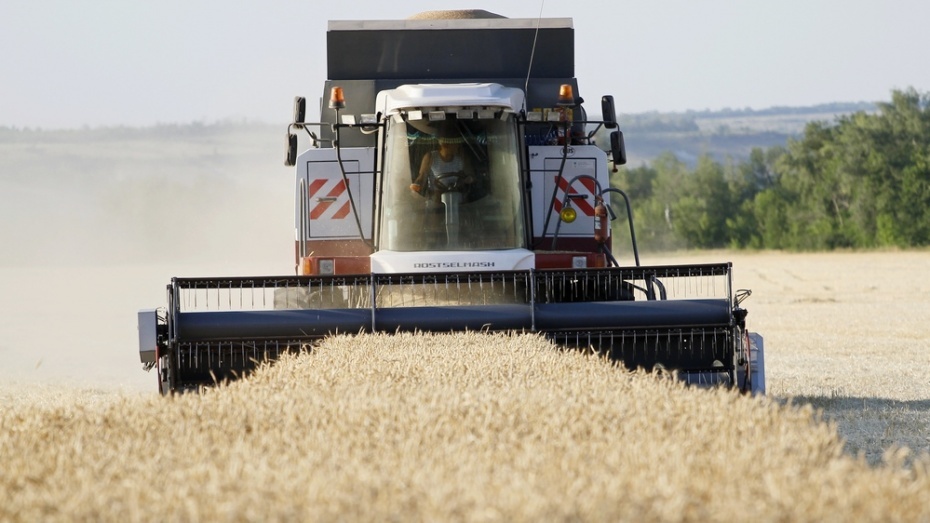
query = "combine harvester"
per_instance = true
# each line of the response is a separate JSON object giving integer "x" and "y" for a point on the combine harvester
{"x": 455, "y": 183}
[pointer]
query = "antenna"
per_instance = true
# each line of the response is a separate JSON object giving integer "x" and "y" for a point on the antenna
{"x": 526, "y": 86}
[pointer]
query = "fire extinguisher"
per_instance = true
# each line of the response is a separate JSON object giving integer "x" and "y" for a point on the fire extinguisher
{"x": 600, "y": 220}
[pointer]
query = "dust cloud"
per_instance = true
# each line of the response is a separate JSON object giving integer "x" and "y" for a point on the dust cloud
{"x": 94, "y": 223}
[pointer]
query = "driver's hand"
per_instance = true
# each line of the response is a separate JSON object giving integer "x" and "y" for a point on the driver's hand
{"x": 415, "y": 187}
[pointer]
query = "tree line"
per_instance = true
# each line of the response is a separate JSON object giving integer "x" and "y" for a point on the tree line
{"x": 862, "y": 181}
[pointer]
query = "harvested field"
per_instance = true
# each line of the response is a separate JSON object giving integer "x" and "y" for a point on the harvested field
{"x": 848, "y": 333}
{"x": 468, "y": 427}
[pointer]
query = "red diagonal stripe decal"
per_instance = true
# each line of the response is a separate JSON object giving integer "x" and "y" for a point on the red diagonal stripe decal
{"x": 586, "y": 208}
{"x": 315, "y": 186}
{"x": 321, "y": 207}
{"x": 319, "y": 210}
{"x": 342, "y": 212}
{"x": 338, "y": 189}
{"x": 583, "y": 205}
{"x": 589, "y": 183}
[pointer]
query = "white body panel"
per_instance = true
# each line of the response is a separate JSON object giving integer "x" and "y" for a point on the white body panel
{"x": 544, "y": 166}
{"x": 324, "y": 206}
{"x": 390, "y": 262}
{"x": 148, "y": 335}
{"x": 449, "y": 95}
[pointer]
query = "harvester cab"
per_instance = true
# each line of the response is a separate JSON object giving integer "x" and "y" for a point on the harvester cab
{"x": 454, "y": 183}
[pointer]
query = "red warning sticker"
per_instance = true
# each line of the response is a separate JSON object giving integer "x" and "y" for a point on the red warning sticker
{"x": 585, "y": 187}
{"x": 329, "y": 199}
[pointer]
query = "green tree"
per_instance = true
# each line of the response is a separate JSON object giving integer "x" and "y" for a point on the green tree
{"x": 750, "y": 179}
{"x": 657, "y": 217}
{"x": 703, "y": 206}
{"x": 899, "y": 168}
{"x": 862, "y": 182}
{"x": 637, "y": 183}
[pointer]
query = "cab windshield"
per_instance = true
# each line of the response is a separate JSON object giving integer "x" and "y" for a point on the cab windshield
{"x": 451, "y": 185}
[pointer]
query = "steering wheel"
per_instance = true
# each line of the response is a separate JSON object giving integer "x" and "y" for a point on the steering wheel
{"x": 450, "y": 182}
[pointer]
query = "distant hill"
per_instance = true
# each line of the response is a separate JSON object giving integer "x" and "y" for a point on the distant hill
{"x": 728, "y": 133}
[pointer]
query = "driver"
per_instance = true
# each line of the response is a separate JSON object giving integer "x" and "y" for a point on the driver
{"x": 443, "y": 170}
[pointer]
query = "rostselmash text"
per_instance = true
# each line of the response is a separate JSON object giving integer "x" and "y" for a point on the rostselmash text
{"x": 452, "y": 265}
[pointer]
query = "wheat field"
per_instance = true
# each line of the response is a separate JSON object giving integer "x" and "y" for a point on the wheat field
{"x": 475, "y": 427}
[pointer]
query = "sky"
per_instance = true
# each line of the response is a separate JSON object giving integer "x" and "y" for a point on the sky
{"x": 68, "y": 64}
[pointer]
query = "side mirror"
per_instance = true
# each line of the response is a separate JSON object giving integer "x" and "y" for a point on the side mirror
{"x": 617, "y": 148}
{"x": 300, "y": 110}
{"x": 608, "y": 112}
{"x": 291, "y": 158}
